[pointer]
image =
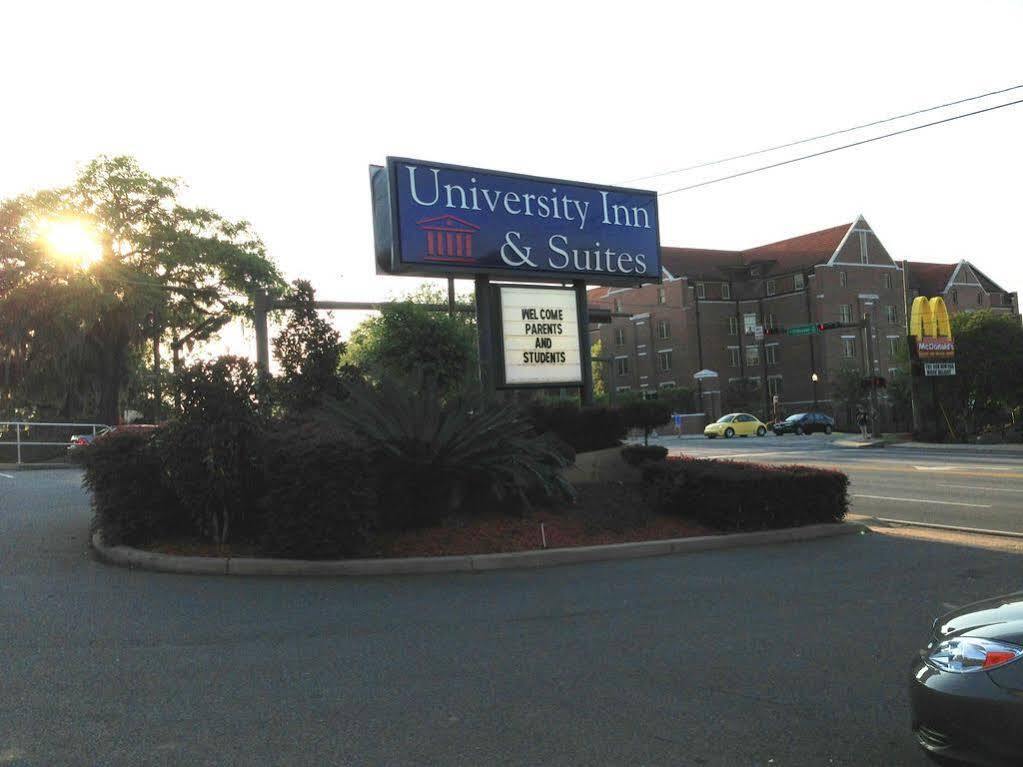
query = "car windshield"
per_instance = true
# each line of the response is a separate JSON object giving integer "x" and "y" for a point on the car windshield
{"x": 796, "y": 417}
{"x": 725, "y": 419}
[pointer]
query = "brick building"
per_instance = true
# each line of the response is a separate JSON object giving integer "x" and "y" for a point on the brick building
{"x": 702, "y": 318}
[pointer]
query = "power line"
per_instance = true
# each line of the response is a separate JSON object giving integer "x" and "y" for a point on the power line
{"x": 822, "y": 136}
{"x": 838, "y": 148}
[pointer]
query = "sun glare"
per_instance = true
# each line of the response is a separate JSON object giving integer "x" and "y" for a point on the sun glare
{"x": 71, "y": 240}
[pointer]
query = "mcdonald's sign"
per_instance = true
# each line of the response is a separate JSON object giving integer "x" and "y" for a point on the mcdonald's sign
{"x": 930, "y": 333}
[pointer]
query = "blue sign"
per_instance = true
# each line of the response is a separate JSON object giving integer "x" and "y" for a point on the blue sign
{"x": 449, "y": 220}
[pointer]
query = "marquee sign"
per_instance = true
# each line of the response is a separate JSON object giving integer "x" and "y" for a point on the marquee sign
{"x": 539, "y": 336}
{"x": 432, "y": 219}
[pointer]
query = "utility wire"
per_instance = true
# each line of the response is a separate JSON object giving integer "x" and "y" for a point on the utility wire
{"x": 838, "y": 148}
{"x": 821, "y": 136}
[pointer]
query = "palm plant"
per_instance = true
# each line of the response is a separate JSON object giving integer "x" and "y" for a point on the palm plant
{"x": 439, "y": 456}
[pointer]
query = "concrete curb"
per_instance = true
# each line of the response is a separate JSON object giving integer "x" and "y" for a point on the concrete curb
{"x": 127, "y": 556}
{"x": 37, "y": 466}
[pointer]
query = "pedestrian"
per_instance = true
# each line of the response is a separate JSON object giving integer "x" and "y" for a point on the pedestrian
{"x": 861, "y": 421}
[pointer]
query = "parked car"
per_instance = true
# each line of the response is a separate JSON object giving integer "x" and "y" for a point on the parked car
{"x": 80, "y": 441}
{"x": 804, "y": 423}
{"x": 966, "y": 686}
{"x": 736, "y": 424}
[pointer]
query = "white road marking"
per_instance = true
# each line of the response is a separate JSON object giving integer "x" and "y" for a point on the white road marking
{"x": 9, "y": 476}
{"x": 923, "y": 500}
{"x": 934, "y": 468}
{"x": 988, "y": 489}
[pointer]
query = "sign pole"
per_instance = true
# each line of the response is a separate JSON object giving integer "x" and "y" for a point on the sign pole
{"x": 914, "y": 407}
{"x": 583, "y": 317}
{"x": 261, "y": 305}
{"x": 451, "y": 296}
{"x": 484, "y": 329}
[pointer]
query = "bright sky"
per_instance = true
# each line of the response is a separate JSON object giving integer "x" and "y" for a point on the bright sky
{"x": 272, "y": 112}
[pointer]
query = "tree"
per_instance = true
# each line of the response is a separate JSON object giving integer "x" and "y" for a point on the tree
{"x": 645, "y": 414}
{"x": 847, "y": 390}
{"x": 309, "y": 351}
{"x": 409, "y": 336}
{"x": 599, "y": 384}
{"x": 988, "y": 382}
{"x": 95, "y": 271}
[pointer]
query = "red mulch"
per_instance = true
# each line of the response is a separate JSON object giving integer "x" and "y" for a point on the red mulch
{"x": 608, "y": 512}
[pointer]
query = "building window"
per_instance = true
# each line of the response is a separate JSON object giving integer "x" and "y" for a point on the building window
{"x": 663, "y": 329}
{"x": 749, "y": 322}
{"x": 617, "y": 306}
{"x": 891, "y": 315}
{"x": 771, "y": 321}
{"x": 619, "y": 336}
{"x": 621, "y": 388}
{"x": 754, "y": 382}
{"x": 774, "y": 386}
{"x": 733, "y": 356}
{"x": 752, "y": 355}
{"x": 955, "y": 297}
{"x": 733, "y": 326}
{"x": 848, "y": 348}
{"x": 798, "y": 282}
{"x": 771, "y": 352}
{"x": 843, "y": 278}
{"x": 661, "y": 295}
{"x": 701, "y": 290}
{"x": 888, "y": 280}
{"x": 664, "y": 360}
{"x": 863, "y": 248}
{"x": 894, "y": 346}
{"x": 622, "y": 366}
{"x": 845, "y": 313}
{"x": 726, "y": 290}
{"x": 772, "y": 287}
{"x": 980, "y": 299}
{"x": 666, "y": 385}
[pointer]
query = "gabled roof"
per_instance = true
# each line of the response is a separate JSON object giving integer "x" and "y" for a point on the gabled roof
{"x": 698, "y": 261}
{"x": 805, "y": 250}
{"x": 929, "y": 279}
{"x": 788, "y": 255}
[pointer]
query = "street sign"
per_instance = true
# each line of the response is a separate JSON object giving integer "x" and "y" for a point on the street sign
{"x": 939, "y": 368}
{"x": 803, "y": 330}
{"x": 758, "y": 333}
{"x": 434, "y": 219}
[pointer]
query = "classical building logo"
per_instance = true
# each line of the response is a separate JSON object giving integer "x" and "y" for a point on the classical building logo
{"x": 448, "y": 239}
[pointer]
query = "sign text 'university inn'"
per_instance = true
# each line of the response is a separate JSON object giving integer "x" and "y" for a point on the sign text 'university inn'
{"x": 447, "y": 219}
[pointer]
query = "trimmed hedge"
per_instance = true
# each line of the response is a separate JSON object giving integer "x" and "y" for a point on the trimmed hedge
{"x": 320, "y": 497}
{"x": 131, "y": 504}
{"x": 634, "y": 455}
{"x": 732, "y": 496}
{"x": 583, "y": 428}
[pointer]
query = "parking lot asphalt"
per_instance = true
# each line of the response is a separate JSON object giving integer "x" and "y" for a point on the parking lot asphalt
{"x": 793, "y": 654}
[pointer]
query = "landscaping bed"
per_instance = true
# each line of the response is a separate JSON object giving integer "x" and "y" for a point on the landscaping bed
{"x": 604, "y": 513}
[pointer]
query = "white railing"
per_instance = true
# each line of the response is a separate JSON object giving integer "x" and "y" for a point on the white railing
{"x": 22, "y": 429}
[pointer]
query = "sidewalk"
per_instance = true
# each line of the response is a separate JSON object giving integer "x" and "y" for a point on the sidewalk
{"x": 1013, "y": 449}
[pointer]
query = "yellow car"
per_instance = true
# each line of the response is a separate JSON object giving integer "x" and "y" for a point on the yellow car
{"x": 736, "y": 425}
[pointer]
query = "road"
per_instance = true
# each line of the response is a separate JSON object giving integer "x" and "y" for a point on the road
{"x": 779, "y": 655}
{"x": 946, "y": 487}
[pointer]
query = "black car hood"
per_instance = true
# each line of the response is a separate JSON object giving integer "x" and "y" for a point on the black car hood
{"x": 999, "y": 618}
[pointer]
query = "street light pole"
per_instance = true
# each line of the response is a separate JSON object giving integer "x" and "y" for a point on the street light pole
{"x": 814, "y": 379}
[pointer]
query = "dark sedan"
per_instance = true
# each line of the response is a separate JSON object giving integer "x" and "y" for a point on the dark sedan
{"x": 966, "y": 687}
{"x": 804, "y": 423}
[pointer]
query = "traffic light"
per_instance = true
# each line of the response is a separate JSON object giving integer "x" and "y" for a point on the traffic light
{"x": 775, "y": 331}
{"x": 822, "y": 326}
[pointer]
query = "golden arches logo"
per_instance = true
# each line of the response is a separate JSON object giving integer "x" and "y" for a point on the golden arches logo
{"x": 929, "y": 318}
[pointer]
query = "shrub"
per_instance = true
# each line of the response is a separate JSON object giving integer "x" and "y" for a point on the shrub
{"x": 130, "y": 504}
{"x": 645, "y": 414}
{"x": 320, "y": 500}
{"x": 584, "y": 428}
{"x": 211, "y": 454}
{"x": 437, "y": 457}
{"x": 634, "y": 455}
{"x": 731, "y": 496}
